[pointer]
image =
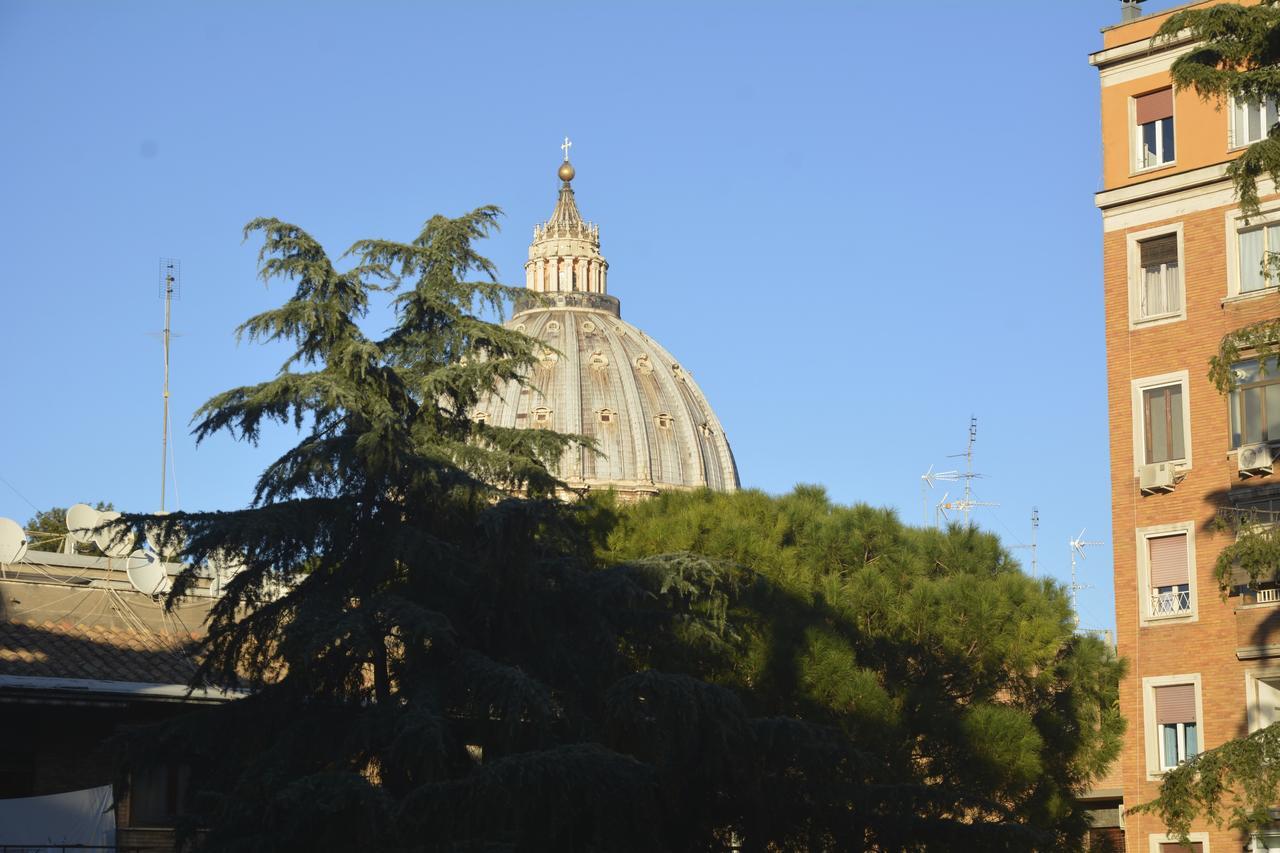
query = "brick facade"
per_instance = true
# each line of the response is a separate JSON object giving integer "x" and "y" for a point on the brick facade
{"x": 1192, "y": 195}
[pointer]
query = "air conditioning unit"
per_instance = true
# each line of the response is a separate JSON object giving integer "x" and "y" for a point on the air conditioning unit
{"x": 1158, "y": 477}
{"x": 1254, "y": 459}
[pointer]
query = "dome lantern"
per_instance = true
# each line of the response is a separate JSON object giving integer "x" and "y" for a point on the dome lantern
{"x": 601, "y": 377}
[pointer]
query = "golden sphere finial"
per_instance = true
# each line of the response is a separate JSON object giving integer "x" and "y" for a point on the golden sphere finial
{"x": 566, "y": 172}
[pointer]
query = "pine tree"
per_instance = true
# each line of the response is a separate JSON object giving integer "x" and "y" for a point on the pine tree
{"x": 441, "y": 656}
{"x": 912, "y": 689}
{"x": 399, "y": 618}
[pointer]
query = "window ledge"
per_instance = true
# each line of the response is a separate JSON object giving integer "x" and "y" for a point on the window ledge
{"x": 1258, "y": 605}
{"x": 1158, "y": 320}
{"x": 1251, "y": 295}
{"x": 1169, "y": 618}
{"x": 1149, "y": 169}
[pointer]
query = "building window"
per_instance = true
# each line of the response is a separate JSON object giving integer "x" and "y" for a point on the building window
{"x": 1263, "y": 693}
{"x": 1176, "y": 731}
{"x": 1163, "y": 423}
{"x": 158, "y": 795}
{"x": 542, "y": 415}
{"x": 1251, "y": 121}
{"x": 1169, "y": 575}
{"x": 1179, "y": 847}
{"x": 1257, "y": 247}
{"x": 1171, "y": 721}
{"x": 664, "y": 420}
{"x": 1154, "y": 118}
{"x": 606, "y": 416}
{"x": 1160, "y": 277}
{"x": 1255, "y": 403}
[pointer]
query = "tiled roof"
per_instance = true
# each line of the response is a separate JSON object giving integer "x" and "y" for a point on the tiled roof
{"x": 66, "y": 650}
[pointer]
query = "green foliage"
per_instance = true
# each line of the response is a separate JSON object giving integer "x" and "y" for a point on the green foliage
{"x": 1235, "y": 785}
{"x": 439, "y": 666}
{"x": 1259, "y": 340}
{"x": 982, "y": 706}
{"x": 1255, "y": 552}
{"x": 1237, "y": 54}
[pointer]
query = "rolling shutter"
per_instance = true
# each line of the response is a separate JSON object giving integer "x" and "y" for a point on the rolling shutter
{"x": 1168, "y": 560}
{"x": 1154, "y": 106}
{"x": 1159, "y": 250}
{"x": 1175, "y": 704}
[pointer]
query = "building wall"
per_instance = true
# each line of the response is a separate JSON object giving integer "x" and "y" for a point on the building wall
{"x": 1192, "y": 195}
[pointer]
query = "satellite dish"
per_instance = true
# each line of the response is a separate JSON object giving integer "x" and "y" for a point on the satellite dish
{"x": 146, "y": 573}
{"x": 114, "y": 540}
{"x": 81, "y": 521}
{"x": 13, "y": 541}
{"x": 167, "y": 543}
{"x": 221, "y": 568}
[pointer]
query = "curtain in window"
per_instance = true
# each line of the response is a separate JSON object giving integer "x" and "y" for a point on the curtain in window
{"x": 1163, "y": 414}
{"x": 1251, "y": 261}
{"x": 1161, "y": 284}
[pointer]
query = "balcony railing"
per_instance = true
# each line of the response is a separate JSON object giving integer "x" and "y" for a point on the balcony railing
{"x": 1170, "y": 603}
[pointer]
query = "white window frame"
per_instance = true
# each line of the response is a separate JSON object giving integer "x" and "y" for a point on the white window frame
{"x": 1235, "y": 412}
{"x": 1194, "y": 837}
{"x": 1135, "y": 131}
{"x": 1146, "y": 617}
{"x": 1150, "y": 731}
{"x": 1233, "y": 131}
{"x": 1132, "y": 239}
{"x": 1251, "y": 679}
{"x": 1178, "y": 377}
{"x": 1235, "y": 223}
{"x": 1267, "y": 839}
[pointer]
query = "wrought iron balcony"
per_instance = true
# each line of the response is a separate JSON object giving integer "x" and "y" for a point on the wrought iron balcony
{"x": 1170, "y": 603}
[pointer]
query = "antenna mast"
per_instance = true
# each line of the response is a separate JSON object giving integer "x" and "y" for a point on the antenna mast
{"x": 966, "y": 503}
{"x": 1078, "y": 545}
{"x": 170, "y": 284}
{"x": 1035, "y": 526}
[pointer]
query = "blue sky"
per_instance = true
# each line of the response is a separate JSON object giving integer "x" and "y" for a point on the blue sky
{"x": 857, "y": 223}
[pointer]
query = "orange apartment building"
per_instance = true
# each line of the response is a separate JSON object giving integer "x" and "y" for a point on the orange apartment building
{"x": 1181, "y": 268}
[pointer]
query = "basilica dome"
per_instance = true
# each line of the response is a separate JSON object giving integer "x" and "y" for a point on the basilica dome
{"x": 599, "y": 376}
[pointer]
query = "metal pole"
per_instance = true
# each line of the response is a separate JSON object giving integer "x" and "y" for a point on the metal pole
{"x": 164, "y": 437}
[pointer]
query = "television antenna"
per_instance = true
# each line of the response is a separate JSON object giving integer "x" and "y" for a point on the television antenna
{"x": 170, "y": 286}
{"x": 966, "y": 504}
{"x": 1078, "y": 544}
{"x": 927, "y": 479}
{"x": 1035, "y": 527}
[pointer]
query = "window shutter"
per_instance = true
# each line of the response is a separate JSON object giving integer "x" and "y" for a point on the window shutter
{"x": 1168, "y": 556}
{"x": 1159, "y": 250}
{"x": 1176, "y": 703}
{"x": 1156, "y": 105}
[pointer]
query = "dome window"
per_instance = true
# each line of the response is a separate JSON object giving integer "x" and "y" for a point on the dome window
{"x": 588, "y": 326}
{"x": 548, "y": 356}
{"x": 520, "y": 327}
{"x": 553, "y": 328}
{"x": 542, "y": 415}
{"x": 607, "y": 416}
{"x": 599, "y": 361}
{"x": 480, "y": 417}
{"x": 664, "y": 420}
